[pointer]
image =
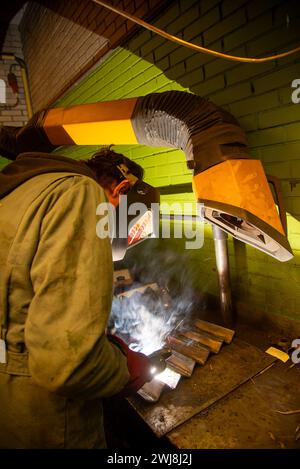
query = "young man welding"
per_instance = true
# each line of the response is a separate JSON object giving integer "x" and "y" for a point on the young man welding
{"x": 56, "y": 362}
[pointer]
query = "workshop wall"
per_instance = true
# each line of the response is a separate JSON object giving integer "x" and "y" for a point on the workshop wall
{"x": 62, "y": 40}
{"x": 13, "y": 111}
{"x": 259, "y": 95}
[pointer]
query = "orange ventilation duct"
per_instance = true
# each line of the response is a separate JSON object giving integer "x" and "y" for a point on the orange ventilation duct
{"x": 232, "y": 186}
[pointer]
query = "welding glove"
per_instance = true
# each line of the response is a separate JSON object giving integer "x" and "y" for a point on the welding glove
{"x": 138, "y": 364}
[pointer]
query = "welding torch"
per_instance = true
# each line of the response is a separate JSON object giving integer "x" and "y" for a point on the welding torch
{"x": 158, "y": 360}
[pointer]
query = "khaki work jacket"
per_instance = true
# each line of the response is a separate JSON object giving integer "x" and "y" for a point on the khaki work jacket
{"x": 55, "y": 299}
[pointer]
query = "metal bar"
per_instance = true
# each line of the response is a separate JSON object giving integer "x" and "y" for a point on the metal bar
{"x": 151, "y": 391}
{"x": 218, "y": 332}
{"x": 222, "y": 261}
{"x": 212, "y": 343}
{"x": 189, "y": 348}
{"x": 182, "y": 364}
{"x": 169, "y": 377}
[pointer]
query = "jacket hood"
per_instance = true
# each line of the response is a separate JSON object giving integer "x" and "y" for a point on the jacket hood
{"x": 29, "y": 165}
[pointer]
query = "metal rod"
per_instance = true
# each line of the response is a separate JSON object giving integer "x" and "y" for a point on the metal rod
{"x": 222, "y": 261}
{"x": 26, "y": 92}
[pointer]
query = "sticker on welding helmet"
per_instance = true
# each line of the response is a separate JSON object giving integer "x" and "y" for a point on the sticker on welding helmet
{"x": 142, "y": 229}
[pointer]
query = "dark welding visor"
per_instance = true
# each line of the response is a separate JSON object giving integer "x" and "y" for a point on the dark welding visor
{"x": 134, "y": 218}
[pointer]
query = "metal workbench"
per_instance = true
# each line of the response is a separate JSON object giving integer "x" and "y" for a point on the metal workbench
{"x": 242, "y": 406}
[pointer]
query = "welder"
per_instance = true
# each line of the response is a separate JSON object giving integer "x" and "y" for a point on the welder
{"x": 56, "y": 361}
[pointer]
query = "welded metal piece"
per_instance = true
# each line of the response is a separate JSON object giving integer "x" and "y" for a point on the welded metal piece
{"x": 189, "y": 348}
{"x": 208, "y": 340}
{"x": 140, "y": 289}
{"x": 151, "y": 392}
{"x": 220, "y": 332}
{"x": 169, "y": 377}
{"x": 181, "y": 364}
{"x": 235, "y": 365}
{"x": 222, "y": 261}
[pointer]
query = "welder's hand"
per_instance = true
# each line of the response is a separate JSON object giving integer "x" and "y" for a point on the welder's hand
{"x": 138, "y": 364}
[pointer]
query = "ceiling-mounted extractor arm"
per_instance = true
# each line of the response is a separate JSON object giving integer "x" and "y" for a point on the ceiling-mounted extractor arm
{"x": 230, "y": 183}
{"x": 232, "y": 186}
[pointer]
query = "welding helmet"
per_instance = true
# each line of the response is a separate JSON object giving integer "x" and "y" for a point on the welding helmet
{"x": 135, "y": 218}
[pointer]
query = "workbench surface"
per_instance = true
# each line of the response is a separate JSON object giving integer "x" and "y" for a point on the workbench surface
{"x": 259, "y": 413}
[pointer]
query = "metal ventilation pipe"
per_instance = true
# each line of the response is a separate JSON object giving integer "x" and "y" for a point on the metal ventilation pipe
{"x": 223, "y": 269}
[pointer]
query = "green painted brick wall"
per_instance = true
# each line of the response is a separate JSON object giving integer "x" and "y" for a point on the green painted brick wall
{"x": 259, "y": 95}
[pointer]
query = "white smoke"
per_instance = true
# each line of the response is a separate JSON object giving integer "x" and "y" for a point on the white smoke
{"x": 144, "y": 320}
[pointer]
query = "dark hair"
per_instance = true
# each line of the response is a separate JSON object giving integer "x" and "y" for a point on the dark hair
{"x": 104, "y": 163}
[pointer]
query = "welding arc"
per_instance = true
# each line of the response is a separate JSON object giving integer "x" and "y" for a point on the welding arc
{"x": 190, "y": 45}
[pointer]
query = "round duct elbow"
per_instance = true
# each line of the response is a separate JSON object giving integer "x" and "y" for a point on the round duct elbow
{"x": 205, "y": 132}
